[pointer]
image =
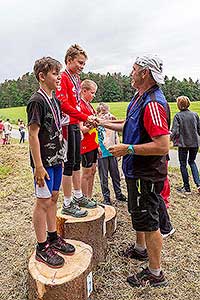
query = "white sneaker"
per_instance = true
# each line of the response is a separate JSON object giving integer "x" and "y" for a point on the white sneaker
{"x": 169, "y": 233}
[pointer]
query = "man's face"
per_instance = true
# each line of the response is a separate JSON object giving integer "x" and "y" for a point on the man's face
{"x": 88, "y": 95}
{"x": 137, "y": 76}
{"x": 77, "y": 64}
{"x": 52, "y": 79}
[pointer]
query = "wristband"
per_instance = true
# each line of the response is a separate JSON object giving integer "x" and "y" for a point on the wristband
{"x": 130, "y": 149}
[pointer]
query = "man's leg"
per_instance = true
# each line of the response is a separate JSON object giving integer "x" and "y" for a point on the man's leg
{"x": 195, "y": 173}
{"x": 154, "y": 246}
{"x": 182, "y": 154}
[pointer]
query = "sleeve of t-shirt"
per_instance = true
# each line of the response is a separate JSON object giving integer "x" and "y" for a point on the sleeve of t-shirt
{"x": 155, "y": 119}
{"x": 34, "y": 113}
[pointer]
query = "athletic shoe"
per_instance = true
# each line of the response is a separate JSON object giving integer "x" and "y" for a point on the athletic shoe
{"x": 122, "y": 198}
{"x": 61, "y": 246}
{"x": 74, "y": 210}
{"x": 49, "y": 257}
{"x": 145, "y": 277}
{"x": 131, "y": 252}
{"x": 85, "y": 202}
{"x": 165, "y": 235}
{"x": 183, "y": 190}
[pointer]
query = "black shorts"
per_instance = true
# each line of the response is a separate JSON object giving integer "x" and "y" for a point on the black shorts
{"x": 73, "y": 153}
{"x": 89, "y": 158}
{"x": 143, "y": 203}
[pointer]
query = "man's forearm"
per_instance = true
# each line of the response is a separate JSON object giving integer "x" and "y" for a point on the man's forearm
{"x": 114, "y": 126}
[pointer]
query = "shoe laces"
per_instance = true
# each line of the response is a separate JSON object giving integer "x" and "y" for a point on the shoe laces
{"x": 61, "y": 241}
{"x": 50, "y": 251}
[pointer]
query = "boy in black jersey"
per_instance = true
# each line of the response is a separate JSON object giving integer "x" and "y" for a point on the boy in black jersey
{"x": 46, "y": 153}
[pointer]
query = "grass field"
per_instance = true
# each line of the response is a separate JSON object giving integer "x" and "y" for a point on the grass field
{"x": 116, "y": 108}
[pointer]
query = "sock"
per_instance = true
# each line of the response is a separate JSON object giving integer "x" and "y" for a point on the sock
{"x": 139, "y": 247}
{"x": 155, "y": 272}
{"x": 67, "y": 201}
{"x": 42, "y": 246}
{"x": 78, "y": 193}
{"x": 52, "y": 236}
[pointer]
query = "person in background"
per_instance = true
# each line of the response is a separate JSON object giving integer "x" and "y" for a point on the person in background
{"x": 1, "y": 129}
{"x": 7, "y": 132}
{"x": 185, "y": 134}
{"x": 22, "y": 131}
{"x": 89, "y": 142}
{"x": 46, "y": 154}
{"x": 106, "y": 161}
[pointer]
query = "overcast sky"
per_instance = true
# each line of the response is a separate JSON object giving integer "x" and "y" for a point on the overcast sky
{"x": 113, "y": 33}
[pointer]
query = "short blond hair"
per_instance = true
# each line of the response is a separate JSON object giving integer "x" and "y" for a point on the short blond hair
{"x": 87, "y": 84}
{"x": 73, "y": 51}
{"x": 183, "y": 102}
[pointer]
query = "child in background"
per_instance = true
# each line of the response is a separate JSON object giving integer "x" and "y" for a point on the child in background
{"x": 89, "y": 143}
{"x": 46, "y": 147}
{"x": 22, "y": 131}
{"x": 106, "y": 161}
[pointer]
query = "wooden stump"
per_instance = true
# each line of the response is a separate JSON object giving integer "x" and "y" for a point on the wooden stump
{"x": 90, "y": 230}
{"x": 72, "y": 282}
{"x": 110, "y": 220}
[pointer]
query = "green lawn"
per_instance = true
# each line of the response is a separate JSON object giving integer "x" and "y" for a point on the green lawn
{"x": 116, "y": 108}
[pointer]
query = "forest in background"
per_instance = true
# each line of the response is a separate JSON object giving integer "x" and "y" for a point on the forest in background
{"x": 111, "y": 88}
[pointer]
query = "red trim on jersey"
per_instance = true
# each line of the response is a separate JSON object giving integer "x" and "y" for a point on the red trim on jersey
{"x": 67, "y": 96}
{"x": 155, "y": 119}
{"x": 90, "y": 138}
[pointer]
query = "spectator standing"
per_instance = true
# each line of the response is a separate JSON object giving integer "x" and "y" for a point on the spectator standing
{"x": 185, "y": 134}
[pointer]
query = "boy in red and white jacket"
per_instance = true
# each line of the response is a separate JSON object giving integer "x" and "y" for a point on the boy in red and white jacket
{"x": 69, "y": 96}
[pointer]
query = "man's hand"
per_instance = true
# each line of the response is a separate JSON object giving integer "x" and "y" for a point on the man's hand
{"x": 91, "y": 120}
{"x": 39, "y": 174}
{"x": 118, "y": 150}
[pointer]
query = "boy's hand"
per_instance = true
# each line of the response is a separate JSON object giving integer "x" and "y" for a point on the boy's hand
{"x": 39, "y": 174}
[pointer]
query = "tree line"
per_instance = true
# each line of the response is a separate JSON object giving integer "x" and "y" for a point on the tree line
{"x": 111, "y": 88}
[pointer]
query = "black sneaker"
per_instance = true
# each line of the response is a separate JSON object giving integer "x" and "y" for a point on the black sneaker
{"x": 145, "y": 277}
{"x": 122, "y": 198}
{"x": 60, "y": 245}
{"x": 49, "y": 257}
{"x": 131, "y": 252}
{"x": 183, "y": 190}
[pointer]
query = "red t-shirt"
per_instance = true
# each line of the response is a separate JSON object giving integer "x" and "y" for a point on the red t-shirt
{"x": 155, "y": 119}
{"x": 90, "y": 138}
{"x": 67, "y": 94}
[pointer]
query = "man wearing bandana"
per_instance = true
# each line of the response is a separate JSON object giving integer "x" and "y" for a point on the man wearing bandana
{"x": 144, "y": 148}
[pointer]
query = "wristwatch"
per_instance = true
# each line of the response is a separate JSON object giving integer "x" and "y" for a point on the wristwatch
{"x": 130, "y": 149}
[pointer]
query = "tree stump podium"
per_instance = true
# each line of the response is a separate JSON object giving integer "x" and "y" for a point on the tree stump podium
{"x": 110, "y": 220}
{"x": 72, "y": 282}
{"x": 90, "y": 230}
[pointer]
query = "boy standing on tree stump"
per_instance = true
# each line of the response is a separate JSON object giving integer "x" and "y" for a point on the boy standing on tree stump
{"x": 46, "y": 153}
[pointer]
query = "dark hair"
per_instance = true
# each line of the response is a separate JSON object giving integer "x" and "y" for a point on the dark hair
{"x": 73, "y": 51}
{"x": 46, "y": 64}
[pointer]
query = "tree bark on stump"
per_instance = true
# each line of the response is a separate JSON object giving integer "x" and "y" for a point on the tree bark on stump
{"x": 72, "y": 282}
{"x": 90, "y": 230}
{"x": 110, "y": 220}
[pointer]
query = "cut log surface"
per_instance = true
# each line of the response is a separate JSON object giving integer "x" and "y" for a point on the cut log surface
{"x": 110, "y": 220}
{"x": 90, "y": 230}
{"x": 72, "y": 282}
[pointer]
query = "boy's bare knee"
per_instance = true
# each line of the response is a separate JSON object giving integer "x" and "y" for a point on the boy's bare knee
{"x": 55, "y": 195}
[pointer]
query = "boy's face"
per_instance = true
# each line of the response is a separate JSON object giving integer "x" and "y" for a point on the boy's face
{"x": 88, "y": 95}
{"x": 51, "y": 80}
{"x": 77, "y": 64}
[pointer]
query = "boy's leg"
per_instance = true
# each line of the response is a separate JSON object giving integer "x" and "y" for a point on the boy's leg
{"x": 103, "y": 175}
{"x": 88, "y": 171}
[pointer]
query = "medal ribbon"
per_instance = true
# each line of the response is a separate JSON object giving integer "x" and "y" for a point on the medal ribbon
{"x": 54, "y": 111}
{"x": 75, "y": 82}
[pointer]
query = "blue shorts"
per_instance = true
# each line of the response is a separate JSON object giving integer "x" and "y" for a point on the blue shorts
{"x": 55, "y": 174}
